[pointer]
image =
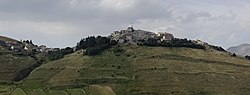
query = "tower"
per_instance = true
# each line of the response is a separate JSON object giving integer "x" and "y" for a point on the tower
{"x": 130, "y": 28}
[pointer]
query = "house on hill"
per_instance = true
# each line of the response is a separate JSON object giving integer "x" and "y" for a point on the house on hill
{"x": 16, "y": 48}
{"x": 42, "y": 48}
{"x": 2, "y": 42}
{"x": 164, "y": 36}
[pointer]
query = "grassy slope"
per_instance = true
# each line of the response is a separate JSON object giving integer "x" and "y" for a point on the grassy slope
{"x": 145, "y": 71}
{"x": 3, "y": 38}
{"x": 11, "y": 64}
{"x": 18, "y": 91}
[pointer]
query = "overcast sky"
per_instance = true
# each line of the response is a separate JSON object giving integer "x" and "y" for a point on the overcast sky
{"x": 61, "y": 23}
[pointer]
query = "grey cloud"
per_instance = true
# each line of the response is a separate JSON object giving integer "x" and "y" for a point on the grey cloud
{"x": 64, "y": 10}
{"x": 64, "y": 22}
{"x": 192, "y": 17}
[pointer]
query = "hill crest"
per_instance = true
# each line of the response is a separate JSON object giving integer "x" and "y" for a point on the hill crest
{"x": 7, "y": 39}
{"x": 242, "y": 50}
{"x": 132, "y": 36}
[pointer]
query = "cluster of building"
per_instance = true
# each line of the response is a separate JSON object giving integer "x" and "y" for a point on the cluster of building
{"x": 25, "y": 47}
{"x": 133, "y": 36}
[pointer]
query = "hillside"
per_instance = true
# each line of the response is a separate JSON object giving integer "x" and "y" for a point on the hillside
{"x": 3, "y": 38}
{"x": 13, "y": 66}
{"x": 141, "y": 70}
{"x": 242, "y": 50}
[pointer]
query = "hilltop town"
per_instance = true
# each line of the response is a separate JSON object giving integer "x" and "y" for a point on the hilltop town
{"x": 132, "y": 36}
{"x": 128, "y": 36}
{"x": 165, "y": 39}
{"x": 25, "y": 47}
{"x": 142, "y": 37}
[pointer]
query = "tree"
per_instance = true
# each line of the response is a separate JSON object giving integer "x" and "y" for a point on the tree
{"x": 172, "y": 43}
{"x": 234, "y": 55}
{"x": 247, "y": 57}
{"x": 30, "y": 42}
{"x": 95, "y": 45}
{"x": 151, "y": 42}
{"x": 54, "y": 55}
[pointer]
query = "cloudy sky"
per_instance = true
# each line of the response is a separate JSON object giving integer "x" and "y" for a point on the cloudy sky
{"x": 60, "y": 23}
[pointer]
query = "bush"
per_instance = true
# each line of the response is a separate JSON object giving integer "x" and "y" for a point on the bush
{"x": 247, "y": 57}
{"x": 234, "y": 55}
{"x": 96, "y": 50}
{"x": 54, "y": 55}
{"x": 173, "y": 43}
{"x": 92, "y": 51}
{"x": 118, "y": 50}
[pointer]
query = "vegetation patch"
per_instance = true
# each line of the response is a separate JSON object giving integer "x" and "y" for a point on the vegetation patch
{"x": 18, "y": 91}
{"x": 76, "y": 92}
{"x": 200, "y": 93}
{"x": 172, "y": 43}
{"x": 57, "y": 92}
{"x": 55, "y": 55}
{"x": 36, "y": 92}
{"x": 95, "y": 45}
{"x": 100, "y": 90}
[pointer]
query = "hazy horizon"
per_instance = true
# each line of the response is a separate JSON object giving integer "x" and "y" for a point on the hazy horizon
{"x": 61, "y": 23}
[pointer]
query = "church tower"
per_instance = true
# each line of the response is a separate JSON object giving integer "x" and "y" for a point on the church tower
{"x": 130, "y": 28}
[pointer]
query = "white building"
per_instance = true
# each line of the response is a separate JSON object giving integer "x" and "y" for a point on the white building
{"x": 165, "y": 36}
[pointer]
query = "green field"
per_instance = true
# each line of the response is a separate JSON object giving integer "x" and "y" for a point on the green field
{"x": 76, "y": 92}
{"x": 100, "y": 90}
{"x": 36, "y": 92}
{"x": 139, "y": 70}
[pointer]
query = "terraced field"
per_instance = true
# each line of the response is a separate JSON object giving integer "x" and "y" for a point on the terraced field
{"x": 138, "y": 70}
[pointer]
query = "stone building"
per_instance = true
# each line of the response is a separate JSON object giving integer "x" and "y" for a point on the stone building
{"x": 164, "y": 36}
{"x": 42, "y": 48}
{"x": 131, "y": 36}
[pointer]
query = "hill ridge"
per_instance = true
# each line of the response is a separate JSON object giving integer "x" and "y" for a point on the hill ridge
{"x": 241, "y": 50}
{"x": 5, "y": 38}
{"x": 146, "y": 70}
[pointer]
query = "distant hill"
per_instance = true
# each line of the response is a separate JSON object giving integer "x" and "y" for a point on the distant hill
{"x": 142, "y": 70}
{"x": 242, "y": 50}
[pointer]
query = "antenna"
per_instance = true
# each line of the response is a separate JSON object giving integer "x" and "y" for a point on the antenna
{"x": 131, "y": 25}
